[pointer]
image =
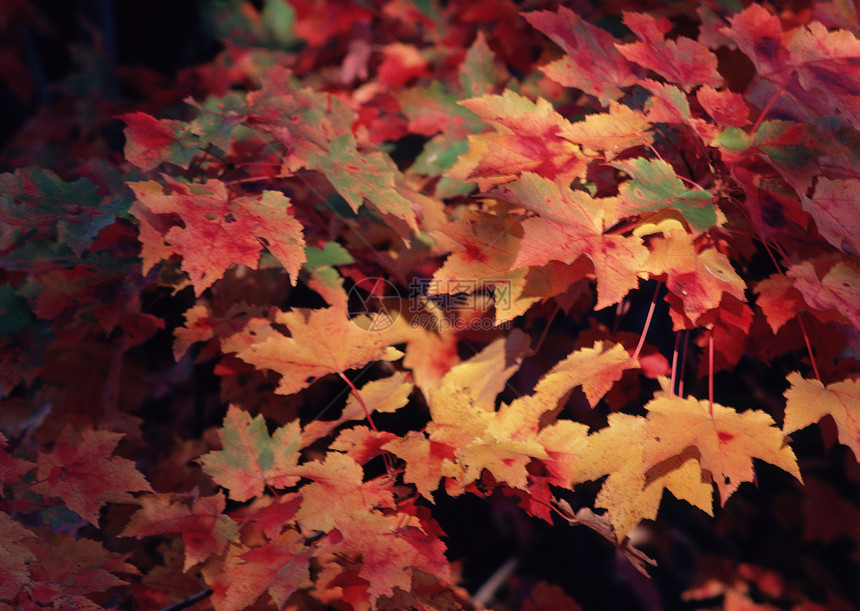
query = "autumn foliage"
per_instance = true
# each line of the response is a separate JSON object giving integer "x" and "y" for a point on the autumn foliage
{"x": 274, "y": 324}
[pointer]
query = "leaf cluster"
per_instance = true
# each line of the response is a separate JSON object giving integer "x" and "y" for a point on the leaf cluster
{"x": 387, "y": 255}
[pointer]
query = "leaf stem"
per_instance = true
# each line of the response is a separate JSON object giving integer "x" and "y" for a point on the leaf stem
{"x": 360, "y": 400}
{"x": 808, "y": 347}
{"x": 546, "y": 328}
{"x": 26, "y": 486}
{"x": 647, "y": 321}
{"x": 767, "y": 107}
{"x": 385, "y": 457}
{"x": 674, "y": 365}
{"x": 711, "y": 373}
{"x": 681, "y": 375}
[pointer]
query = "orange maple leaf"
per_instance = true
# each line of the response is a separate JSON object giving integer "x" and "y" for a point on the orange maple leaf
{"x": 685, "y": 61}
{"x": 592, "y": 62}
{"x": 391, "y": 545}
{"x": 570, "y": 224}
{"x": 612, "y": 132}
{"x": 321, "y": 342}
{"x": 219, "y": 231}
{"x": 696, "y": 280}
{"x": 530, "y": 136}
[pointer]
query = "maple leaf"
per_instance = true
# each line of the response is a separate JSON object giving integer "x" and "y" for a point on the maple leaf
{"x": 205, "y": 529}
{"x": 69, "y": 567}
{"x": 725, "y": 107}
{"x": 424, "y": 460}
{"x": 386, "y": 396}
{"x": 838, "y": 289}
{"x": 530, "y": 136}
{"x": 37, "y": 203}
{"x": 149, "y": 142}
{"x": 696, "y": 281}
{"x": 219, "y": 231}
{"x": 726, "y": 441}
{"x": 758, "y": 35}
{"x": 808, "y": 401}
{"x": 81, "y": 471}
{"x": 778, "y": 299}
{"x": 612, "y": 132}
{"x": 480, "y": 70}
{"x": 15, "y": 556}
{"x": 251, "y": 459}
{"x": 11, "y": 468}
{"x": 633, "y": 491}
{"x": 592, "y": 64}
{"x": 391, "y": 546}
{"x": 596, "y": 369}
{"x": 685, "y": 61}
{"x": 279, "y": 567}
{"x": 835, "y": 207}
{"x": 655, "y": 186}
{"x": 363, "y": 176}
{"x": 321, "y": 342}
{"x": 827, "y": 63}
{"x": 573, "y": 221}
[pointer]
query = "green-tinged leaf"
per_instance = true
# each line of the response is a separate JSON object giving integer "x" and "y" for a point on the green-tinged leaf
{"x": 358, "y": 176}
{"x": 733, "y": 139}
{"x": 252, "y": 459}
{"x": 38, "y": 203}
{"x": 330, "y": 254}
{"x": 655, "y": 186}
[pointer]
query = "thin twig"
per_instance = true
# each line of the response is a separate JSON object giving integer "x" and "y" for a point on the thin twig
{"x": 194, "y": 598}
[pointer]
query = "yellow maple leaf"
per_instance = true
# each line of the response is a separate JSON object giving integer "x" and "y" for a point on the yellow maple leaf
{"x": 632, "y": 492}
{"x": 808, "y": 401}
{"x": 726, "y": 441}
{"x": 612, "y": 132}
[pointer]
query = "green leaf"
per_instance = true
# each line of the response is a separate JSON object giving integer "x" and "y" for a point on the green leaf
{"x": 330, "y": 254}
{"x": 358, "y": 176}
{"x": 732, "y": 139}
{"x": 655, "y": 186}
{"x": 278, "y": 18}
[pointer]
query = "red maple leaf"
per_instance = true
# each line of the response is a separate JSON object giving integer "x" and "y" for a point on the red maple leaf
{"x": 81, "y": 471}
